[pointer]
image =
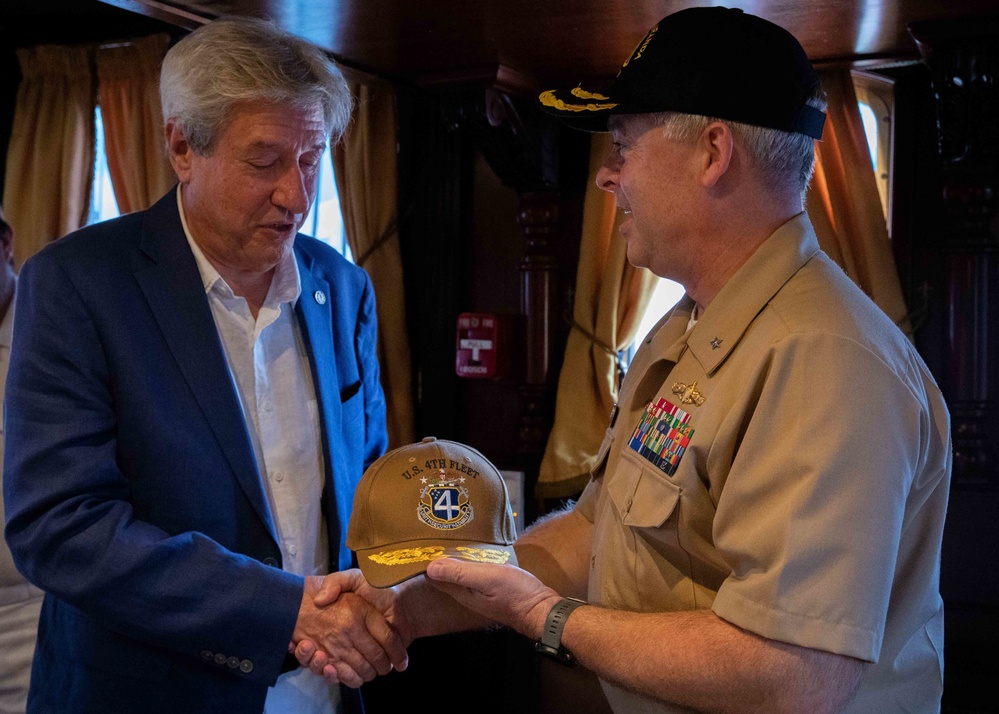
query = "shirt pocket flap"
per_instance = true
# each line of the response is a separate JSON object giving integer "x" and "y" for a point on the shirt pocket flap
{"x": 643, "y": 496}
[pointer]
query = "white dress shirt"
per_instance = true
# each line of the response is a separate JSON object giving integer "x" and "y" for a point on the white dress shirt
{"x": 270, "y": 368}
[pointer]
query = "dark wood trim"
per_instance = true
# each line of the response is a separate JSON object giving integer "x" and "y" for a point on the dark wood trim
{"x": 163, "y": 11}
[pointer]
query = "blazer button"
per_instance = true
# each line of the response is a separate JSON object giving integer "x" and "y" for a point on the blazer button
{"x": 220, "y": 658}
{"x": 246, "y": 666}
{"x": 232, "y": 662}
{"x": 271, "y": 562}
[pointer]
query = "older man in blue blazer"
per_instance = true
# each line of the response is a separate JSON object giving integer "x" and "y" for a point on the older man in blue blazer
{"x": 192, "y": 398}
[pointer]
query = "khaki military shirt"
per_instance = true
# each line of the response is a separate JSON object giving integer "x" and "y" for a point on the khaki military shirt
{"x": 784, "y": 462}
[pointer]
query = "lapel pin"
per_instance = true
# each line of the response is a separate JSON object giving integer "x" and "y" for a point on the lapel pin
{"x": 715, "y": 343}
{"x": 688, "y": 393}
{"x": 320, "y": 297}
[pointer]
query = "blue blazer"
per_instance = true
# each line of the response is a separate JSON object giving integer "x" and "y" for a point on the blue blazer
{"x": 132, "y": 492}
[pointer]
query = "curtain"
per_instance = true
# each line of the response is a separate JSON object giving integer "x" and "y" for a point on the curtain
{"x": 128, "y": 87}
{"x": 844, "y": 205}
{"x": 611, "y": 298}
{"x": 50, "y": 160}
{"x": 366, "y": 176}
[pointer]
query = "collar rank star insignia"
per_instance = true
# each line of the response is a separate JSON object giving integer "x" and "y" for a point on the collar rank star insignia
{"x": 444, "y": 504}
{"x": 715, "y": 343}
{"x": 688, "y": 393}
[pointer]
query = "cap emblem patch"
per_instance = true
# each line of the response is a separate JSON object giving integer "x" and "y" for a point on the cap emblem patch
{"x": 444, "y": 503}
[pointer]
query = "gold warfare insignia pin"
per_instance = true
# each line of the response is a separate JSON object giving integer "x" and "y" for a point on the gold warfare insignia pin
{"x": 688, "y": 393}
{"x": 444, "y": 503}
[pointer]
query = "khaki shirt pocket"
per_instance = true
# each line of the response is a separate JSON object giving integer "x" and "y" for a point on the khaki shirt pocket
{"x": 642, "y": 496}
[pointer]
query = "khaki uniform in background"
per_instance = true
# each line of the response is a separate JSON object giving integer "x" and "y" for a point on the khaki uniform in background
{"x": 794, "y": 477}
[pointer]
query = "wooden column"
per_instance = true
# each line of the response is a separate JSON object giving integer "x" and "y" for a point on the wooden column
{"x": 521, "y": 146}
{"x": 538, "y": 219}
{"x": 963, "y": 59}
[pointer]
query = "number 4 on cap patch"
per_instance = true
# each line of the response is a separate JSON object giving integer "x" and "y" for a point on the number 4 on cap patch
{"x": 444, "y": 504}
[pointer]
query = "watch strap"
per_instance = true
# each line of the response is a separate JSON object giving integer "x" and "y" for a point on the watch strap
{"x": 550, "y": 643}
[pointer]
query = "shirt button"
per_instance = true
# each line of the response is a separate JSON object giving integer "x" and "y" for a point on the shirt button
{"x": 220, "y": 658}
{"x": 207, "y": 655}
{"x": 268, "y": 561}
{"x": 293, "y": 549}
{"x": 279, "y": 476}
{"x": 232, "y": 662}
{"x": 246, "y": 666}
{"x": 268, "y": 406}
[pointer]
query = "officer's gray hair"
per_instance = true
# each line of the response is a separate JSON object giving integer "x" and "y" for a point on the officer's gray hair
{"x": 209, "y": 72}
{"x": 784, "y": 160}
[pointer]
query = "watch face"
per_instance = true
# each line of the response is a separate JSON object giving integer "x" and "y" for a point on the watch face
{"x": 559, "y": 654}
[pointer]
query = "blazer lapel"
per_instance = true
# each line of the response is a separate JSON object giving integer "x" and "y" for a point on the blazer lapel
{"x": 314, "y": 310}
{"x": 172, "y": 285}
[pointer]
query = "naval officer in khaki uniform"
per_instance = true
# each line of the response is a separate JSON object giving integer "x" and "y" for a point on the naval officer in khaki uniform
{"x": 763, "y": 530}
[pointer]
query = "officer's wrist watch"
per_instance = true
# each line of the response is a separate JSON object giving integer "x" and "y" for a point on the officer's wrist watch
{"x": 550, "y": 643}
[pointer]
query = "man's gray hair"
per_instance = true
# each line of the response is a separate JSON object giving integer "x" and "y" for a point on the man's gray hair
{"x": 784, "y": 160}
{"x": 234, "y": 60}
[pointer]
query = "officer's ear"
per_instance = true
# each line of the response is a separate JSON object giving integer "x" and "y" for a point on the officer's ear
{"x": 716, "y": 145}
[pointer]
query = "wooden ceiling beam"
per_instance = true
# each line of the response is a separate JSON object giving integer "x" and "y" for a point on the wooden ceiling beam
{"x": 163, "y": 11}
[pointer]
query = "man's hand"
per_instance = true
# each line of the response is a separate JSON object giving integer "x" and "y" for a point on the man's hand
{"x": 357, "y": 641}
{"x": 415, "y": 608}
{"x": 502, "y": 593}
{"x": 337, "y": 585}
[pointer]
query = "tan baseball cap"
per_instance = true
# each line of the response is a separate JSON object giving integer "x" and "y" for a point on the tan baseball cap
{"x": 428, "y": 500}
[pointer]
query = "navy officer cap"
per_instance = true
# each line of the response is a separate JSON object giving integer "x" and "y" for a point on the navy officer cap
{"x": 711, "y": 61}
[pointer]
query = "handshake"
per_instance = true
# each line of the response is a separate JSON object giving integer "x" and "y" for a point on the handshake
{"x": 432, "y": 508}
{"x": 349, "y": 631}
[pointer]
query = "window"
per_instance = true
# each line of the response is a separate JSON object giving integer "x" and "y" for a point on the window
{"x": 103, "y": 204}
{"x": 323, "y": 222}
{"x": 875, "y": 99}
{"x": 870, "y": 130}
{"x": 667, "y": 293}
